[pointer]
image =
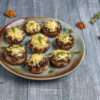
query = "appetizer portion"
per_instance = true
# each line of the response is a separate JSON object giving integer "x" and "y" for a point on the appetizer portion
{"x": 51, "y": 28}
{"x": 60, "y": 58}
{"x": 14, "y": 35}
{"x": 32, "y": 27}
{"x": 15, "y": 54}
{"x": 64, "y": 41}
{"x": 39, "y": 43}
{"x": 37, "y": 63}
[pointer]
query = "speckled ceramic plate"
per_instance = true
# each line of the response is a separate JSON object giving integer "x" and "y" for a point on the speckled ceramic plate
{"x": 52, "y": 73}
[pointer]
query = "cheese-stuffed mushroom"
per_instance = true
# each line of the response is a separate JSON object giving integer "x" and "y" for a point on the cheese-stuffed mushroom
{"x": 32, "y": 27}
{"x": 51, "y": 28}
{"x": 15, "y": 54}
{"x": 64, "y": 41}
{"x": 39, "y": 43}
{"x": 37, "y": 63}
{"x": 14, "y": 35}
{"x": 60, "y": 58}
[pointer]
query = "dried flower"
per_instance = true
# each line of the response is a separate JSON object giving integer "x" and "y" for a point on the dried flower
{"x": 10, "y": 13}
{"x": 80, "y": 25}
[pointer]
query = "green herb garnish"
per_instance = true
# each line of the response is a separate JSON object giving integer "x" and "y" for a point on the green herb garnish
{"x": 68, "y": 53}
{"x": 50, "y": 71}
{"x": 97, "y": 15}
{"x": 61, "y": 53}
{"x": 74, "y": 52}
{"x": 40, "y": 39}
{"x": 69, "y": 30}
{"x": 31, "y": 24}
{"x": 13, "y": 29}
{"x": 64, "y": 35}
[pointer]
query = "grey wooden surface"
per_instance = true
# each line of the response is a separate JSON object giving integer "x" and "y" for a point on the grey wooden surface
{"x": 84, "y": 83}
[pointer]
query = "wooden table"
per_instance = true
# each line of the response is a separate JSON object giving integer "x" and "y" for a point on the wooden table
{"x": 84, "y": 83}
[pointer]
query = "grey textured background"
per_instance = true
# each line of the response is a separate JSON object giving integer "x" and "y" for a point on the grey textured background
{"x": 84, "y": 83}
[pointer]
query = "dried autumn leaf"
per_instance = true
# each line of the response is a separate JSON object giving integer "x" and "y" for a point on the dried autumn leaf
{"x": 10, "y": 13}
{"x": 80, "y": 25}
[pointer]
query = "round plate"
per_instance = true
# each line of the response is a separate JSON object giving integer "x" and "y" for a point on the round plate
{"x": 52, "y": 73}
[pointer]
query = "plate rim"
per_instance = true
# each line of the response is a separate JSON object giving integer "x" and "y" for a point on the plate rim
{"x": 43, "y": 78}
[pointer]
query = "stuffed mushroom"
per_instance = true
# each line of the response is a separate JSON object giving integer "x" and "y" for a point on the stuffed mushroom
{"x": 14, "y": 35}
{"x": 32, "y": 27}
{"x": 64, "y": 41}
{"x": 60, "y": 58}
{"x": 39, "y": 43}
{"x": 51, "y": 28}
{"x": 37, "y": 63}
{"x": 15, "y": 54}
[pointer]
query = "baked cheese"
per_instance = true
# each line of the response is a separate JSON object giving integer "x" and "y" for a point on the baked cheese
{"x": 31, "y": 26}
{"x": 65, "y": 38}
{"x": 36, "y": 59}
{"x": 51, "y": 25}
{"x": 15, "y": 33}
{"x": 16, "y": 50}
{"x": 61, "y": 54}
{"x": 39, "y": 41}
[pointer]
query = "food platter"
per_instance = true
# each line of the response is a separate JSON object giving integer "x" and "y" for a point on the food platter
{"x": 52, "y": 72}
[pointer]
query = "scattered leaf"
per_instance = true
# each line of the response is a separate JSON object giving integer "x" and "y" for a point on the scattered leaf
{"x": 95, "y": 18}
{"x": 10, "y": 13}
{"x": 80, "y": 25}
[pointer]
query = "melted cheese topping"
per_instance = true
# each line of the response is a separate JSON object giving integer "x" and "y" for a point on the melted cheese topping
{"x": 52, "y": 25}
{"x": 16, "y": 50}
{"x": 15, "y": 33}
{"x": 39, "y": 41}
{"x": 61, "y": 54}
{"x": 32, "y": 25}
{"x": 35, "y": 59}
{"x": 64, "y": 37}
